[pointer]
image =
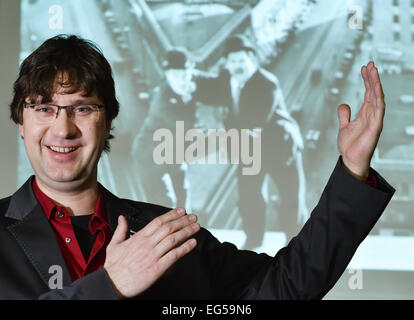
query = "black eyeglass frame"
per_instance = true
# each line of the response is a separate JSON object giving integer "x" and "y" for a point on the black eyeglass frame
{"x": 69, "y": 108}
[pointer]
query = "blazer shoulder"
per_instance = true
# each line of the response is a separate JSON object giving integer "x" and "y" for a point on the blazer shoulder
{"x": 149, "y": 210}
{"x": 4, "y": 205}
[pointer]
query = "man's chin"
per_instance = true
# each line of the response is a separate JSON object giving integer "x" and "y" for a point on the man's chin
{"x": 64, "y": 178}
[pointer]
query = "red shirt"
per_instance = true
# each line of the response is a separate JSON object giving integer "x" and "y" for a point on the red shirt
{"x": 60, "y": 221}
{"x": 371, "y": 181}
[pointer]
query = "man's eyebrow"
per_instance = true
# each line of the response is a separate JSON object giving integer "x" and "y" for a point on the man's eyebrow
{"x": 78, "y": 101}
{"x": 85, "y": 101}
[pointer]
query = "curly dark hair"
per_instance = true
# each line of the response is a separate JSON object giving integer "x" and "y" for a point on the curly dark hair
{"x": 81, "y": 60}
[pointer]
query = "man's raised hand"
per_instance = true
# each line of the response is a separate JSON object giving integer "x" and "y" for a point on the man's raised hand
{"x": 358, "y": 139}
{"x": 133, "y": 265}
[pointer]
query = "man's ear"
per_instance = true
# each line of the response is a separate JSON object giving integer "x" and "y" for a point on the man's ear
{"x": 108, "y": 129}
{"x": 21, "y": 131}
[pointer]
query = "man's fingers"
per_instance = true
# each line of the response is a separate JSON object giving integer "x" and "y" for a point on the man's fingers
{"x": 155, "y": 224}
{"x": 173, "y": 239}
{"x": 365, "y": 77}
{"x": 171, "y": 227}
{"x": 120, "y": 231}
{"x": 373, "y": 88}
{"x": 373, "y": 78}
{"x": 173, "y": 255}
{"x": 379, "y": 93}
{"x": 344, "y": 115}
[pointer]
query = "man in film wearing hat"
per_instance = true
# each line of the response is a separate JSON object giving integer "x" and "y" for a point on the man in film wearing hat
{"x": 64, "y": 236}
{"x": 255, "y": 102}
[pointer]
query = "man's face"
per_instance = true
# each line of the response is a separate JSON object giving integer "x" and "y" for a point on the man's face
{"x": 85, "y": 140}
{"x": 239, "y": 63}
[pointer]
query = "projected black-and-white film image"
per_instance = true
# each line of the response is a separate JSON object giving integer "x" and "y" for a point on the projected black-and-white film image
{"x": 229, "y": 109}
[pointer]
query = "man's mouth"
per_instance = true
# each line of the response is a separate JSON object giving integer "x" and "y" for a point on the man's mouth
{"x": 62, "y": 149}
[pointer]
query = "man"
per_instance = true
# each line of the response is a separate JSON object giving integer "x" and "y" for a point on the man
{"x": 255, "y": 101}
{"x": 107, "y": 248}
{"x": 283, "y": 163}
{"x": 173, "y": 101}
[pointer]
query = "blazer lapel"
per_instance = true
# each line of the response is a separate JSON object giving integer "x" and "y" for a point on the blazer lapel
{"x": 34, "y": 234}
{"x": 116, "y": 207}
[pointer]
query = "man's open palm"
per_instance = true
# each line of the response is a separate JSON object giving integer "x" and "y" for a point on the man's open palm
{"x": 357, "y": 139}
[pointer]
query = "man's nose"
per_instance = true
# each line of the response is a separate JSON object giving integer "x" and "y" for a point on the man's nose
{"x": 63, "y": 126}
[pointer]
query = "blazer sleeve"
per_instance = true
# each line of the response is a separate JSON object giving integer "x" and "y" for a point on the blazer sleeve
{"x": 94, "y": 286}
{"x": 313, "y": 261}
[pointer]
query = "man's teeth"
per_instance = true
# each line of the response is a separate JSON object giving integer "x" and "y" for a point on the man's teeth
{"x": 62, "y": 150}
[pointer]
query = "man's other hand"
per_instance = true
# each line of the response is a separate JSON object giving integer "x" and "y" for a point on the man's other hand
{"x": 358, "y": 139}
{"x": 133, "y": 265}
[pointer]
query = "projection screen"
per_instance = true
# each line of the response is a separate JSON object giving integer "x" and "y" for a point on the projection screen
{"x": 178, "y": 150}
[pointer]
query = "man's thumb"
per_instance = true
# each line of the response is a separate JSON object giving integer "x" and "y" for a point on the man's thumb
{"x": 120, "y": 231}
{"x": 344, "y": 115}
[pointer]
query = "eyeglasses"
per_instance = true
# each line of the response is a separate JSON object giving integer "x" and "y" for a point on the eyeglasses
{"x": 79, "y": 113}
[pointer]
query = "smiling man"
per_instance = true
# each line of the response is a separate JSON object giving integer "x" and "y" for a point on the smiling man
{"x": 64, "y": 236}
{"x": 64, "y": 147}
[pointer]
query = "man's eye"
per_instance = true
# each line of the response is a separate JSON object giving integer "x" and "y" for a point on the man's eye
{"x": 82, "y": 109}
{"x": 43, "y": 109}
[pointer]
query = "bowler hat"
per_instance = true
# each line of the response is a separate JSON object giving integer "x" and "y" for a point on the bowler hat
{"x": 238, "y": 43}
{"x": 176, "y": 59}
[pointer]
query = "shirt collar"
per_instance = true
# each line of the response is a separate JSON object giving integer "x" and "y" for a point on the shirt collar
{"x": 99, "y": 215}
{"x": 45, "y": 202}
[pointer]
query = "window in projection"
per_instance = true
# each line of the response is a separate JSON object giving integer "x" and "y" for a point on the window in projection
{"x": 228, "y": 108}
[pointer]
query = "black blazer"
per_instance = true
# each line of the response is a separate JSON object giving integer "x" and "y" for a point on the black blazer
{"x": 306, "y": 269}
